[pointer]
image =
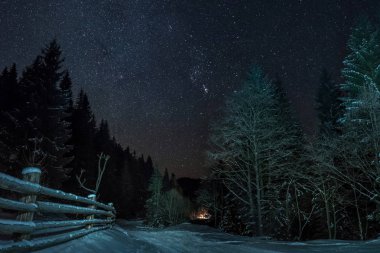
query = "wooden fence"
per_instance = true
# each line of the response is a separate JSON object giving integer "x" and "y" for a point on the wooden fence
{"x": 29, "y": 234}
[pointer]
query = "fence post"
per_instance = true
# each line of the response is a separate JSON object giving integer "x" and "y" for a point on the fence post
{"x": 92, "y": 216}
{"x": 112, "y": 219}
{"x": 33, "y": 175}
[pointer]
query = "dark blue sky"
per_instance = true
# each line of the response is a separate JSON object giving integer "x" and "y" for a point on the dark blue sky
{"x": 159, "y": 71}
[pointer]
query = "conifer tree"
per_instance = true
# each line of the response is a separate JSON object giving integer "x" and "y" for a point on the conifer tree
{"x": 9, "y": 124}
{"x": 153, "y": 203}
{"x": 328, "y": 104}
{"x": 83, "y": 137}
{"x": 43, "y": 113}
{"x": 173, "y": 181}
{"x": 166, "y": 181}
{"x": 361, "y": 119}
{"x": 67, "y": 95}
{"x": 361, "y": 70}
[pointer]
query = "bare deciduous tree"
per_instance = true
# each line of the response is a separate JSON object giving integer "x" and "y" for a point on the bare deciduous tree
{"x": 250, "y": 145}
{"x": 102, "y": 166}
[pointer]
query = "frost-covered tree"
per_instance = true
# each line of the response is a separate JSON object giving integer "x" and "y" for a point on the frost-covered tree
{"x": 361, "y": 120}
{"x": 329, "y": 192}
{"x": 165, "y": 208}
{"x": 361, "y": 70}
{"x": 252, "y": 146}
{"x": 345, "y": 165}
{"x": 175, "y": 208}
{"x": 153, "y": 203}
{"x": 325, "y": 189}
{"x": 210, "y": 196}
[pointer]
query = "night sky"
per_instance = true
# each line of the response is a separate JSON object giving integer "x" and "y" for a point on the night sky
{"x": 159, "y": 71}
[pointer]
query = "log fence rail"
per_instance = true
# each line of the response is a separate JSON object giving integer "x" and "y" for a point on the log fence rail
{"x": 96, "y": 215}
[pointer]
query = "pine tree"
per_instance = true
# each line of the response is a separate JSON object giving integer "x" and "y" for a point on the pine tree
{"x": 327, "y": 191}
{"x": 361, "y": 70}
{"x": 67, "y": 95}
{"x": 153, "y": 203}
{"x": 103, "y": 136}
{"x": 47, "y": 126}
{"x": 173, "y": 181}
{"x": 35, "y": 111}
{"x": 328, "y": 104}
{"x": 287, "y": 173}
{"x": 142, "y": 182}
{"x": 166, "y": 181}
{"x": 9, "y": 90}
{"x": 9, "y": 125}
{"x": 83, "y": 142}
{"x": 149, "y": 168}
{"x": 104, "y": 143}
{"x": 360, "y": 140}
{"x": 361, "y": 124}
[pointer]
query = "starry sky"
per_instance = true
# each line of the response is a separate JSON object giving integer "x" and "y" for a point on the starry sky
{"x": 159, "y": 70}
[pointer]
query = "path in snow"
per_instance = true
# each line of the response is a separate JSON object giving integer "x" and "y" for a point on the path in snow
{"x": 132, "y": 236}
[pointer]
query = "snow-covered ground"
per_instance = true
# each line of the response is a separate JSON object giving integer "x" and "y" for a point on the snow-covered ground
{"x": 132, "y": 236}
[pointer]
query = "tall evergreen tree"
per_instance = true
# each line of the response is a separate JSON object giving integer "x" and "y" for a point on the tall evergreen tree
{"x": 51, "y": 114}
{"x": 38, "y": 127}
{"x": 83, "y": 142}
{"x": 9, "y": 90}
{"x": 361, "y": 120}
{"x": 103, "y": 143}
{"x": 9, "y": 125}
{"x": 361, "y": 70}
{"x": 328, "y": 104}
{"x": 173, "y": 181}
{"x": 153, "y": 203}
{"x": 67, "y": 95}
{"x": 166, "y": 181}
{"x": 38, "y": 117}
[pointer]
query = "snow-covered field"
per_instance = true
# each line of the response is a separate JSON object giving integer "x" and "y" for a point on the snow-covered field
{"x": 132, "y": 236}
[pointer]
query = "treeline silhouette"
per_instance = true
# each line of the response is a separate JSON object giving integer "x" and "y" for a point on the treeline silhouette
{"x": 42, "y": 125}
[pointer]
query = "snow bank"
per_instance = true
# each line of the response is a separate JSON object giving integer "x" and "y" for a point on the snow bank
{"x": 133, "y": 236}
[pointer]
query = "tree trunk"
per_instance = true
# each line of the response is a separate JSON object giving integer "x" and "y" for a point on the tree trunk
{"x": 258, "y": 203}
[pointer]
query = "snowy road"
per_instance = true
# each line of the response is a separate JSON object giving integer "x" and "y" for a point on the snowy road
{"x": 133, "y": 237}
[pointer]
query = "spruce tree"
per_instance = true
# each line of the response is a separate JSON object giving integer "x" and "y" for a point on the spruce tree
{"x": 173, "y": 181}
{"x": 361, "y": 70}
{"x": 328, "y": 104}
{"x": 149, "y": 168}
{"x": 83, "y": 142}
{"x": 9, "y": 124}
{"x": 43, "y": 116}
{"x": 360, "y": 140}
{"x": 9, "y": 90}
{"x": 67, "y": 95}
{"x": 166, "y": 181}
{"x": 153, "y": 203}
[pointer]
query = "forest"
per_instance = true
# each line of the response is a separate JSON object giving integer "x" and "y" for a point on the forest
{"x": 43, "y": 125}
{"x": 268, "y": 178}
